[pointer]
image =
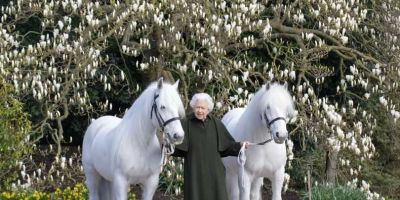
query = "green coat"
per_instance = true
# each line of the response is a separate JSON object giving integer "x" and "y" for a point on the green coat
{"x": 202, "y": 148}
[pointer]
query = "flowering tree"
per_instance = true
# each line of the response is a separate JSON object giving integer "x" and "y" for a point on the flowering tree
{"x": 339, "y": 57}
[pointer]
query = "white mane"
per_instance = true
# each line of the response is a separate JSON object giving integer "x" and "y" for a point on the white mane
{"x": 140, "y": 111}
{"x": 277, "y": 95}
{"x": 168, "y": 94}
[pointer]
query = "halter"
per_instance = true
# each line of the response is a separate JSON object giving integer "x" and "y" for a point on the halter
{"x": 161, "y": 122}
{"x": 167, "y": 147}
{"x": 269, "y": 123}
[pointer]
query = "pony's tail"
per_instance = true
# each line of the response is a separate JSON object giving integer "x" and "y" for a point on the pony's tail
{"x": 105, "y": 190}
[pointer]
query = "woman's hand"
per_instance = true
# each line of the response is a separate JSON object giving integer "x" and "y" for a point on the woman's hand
{"x": 245, "y": 143}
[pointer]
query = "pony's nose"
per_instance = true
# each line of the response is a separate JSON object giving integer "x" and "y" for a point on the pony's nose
{"x": 280, "y": 134}
{"x": 178, "y": 137}
{"x": 280, "y": 137}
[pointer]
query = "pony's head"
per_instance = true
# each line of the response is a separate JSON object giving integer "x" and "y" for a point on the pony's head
{"x": 167, "y": 110}
{"x": 277, "y": 107}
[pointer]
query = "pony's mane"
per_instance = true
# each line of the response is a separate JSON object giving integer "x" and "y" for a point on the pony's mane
{"x": 139, "y": 114}
{"x": 168, "y": 94}
{"x": 276, "y": 95}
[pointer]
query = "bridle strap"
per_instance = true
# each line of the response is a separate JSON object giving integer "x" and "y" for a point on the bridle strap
{"x": 262, "y": 143}
{"x": 276, "y": 119}
{"x": 171, "y": 120}
{"x": 159, "y": 118}
{"x": 269, "y": 123}
{"x": 166, "y": 147}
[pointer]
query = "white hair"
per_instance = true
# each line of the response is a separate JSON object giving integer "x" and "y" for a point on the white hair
{"x": 202, "y": 97}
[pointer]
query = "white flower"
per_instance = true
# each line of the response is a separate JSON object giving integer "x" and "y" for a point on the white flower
{"x": 357, "y": 151}
{"x": 289, "y": 144}
{"x": 309, "y": 36}
{"x": 62, "y": 162}
{"x": 344, "y": 39}
{"x": 60, "y": 24}
{"x": 245, "y": 76}
{"x": 232, "y": 98}
{"x": 292, "y": 75}
{"x": 383, "y": 101}
{"x": 339, "y": 133}
{"x": 23, "y": 174}
{"x": 239, "y": 90}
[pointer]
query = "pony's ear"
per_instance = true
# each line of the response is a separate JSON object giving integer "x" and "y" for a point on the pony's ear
{"x": 160, "y": 82}
{"x": 267, "y": 85}
{"x": 176, "y": 84}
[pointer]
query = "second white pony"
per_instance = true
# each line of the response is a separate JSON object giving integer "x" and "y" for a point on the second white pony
{"x": 263, "y": 119}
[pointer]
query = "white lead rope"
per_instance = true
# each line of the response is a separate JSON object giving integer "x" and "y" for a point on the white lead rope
{"x": 167, "y": 149}
{"x": 241, "y": 159}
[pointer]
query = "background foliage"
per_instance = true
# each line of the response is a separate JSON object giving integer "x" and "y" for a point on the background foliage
{"x": 14, "y": 134}
{"x": 70, "y": 61}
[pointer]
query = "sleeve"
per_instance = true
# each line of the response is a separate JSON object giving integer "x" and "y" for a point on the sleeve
{"x": 232, "y": 150}
{"x": 227, "y": 146}
{"x": 178, "y": 153}
{"x": 181, "y": 149}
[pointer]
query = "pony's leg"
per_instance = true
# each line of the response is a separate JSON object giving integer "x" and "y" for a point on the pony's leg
{"x": 255, "y": 193}
{"x": 232, "y": 187}
{"x": 277, "y": 184}
{"x": 244, "y": 182}
{"x": 92, "y": 181}
{"x": 149, "y": 187}
{"x": 105, "y": 190}
{"x": 119, "y": 188}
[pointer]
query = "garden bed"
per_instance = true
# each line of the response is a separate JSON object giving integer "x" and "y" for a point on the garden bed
{"x": 44, "y": 158}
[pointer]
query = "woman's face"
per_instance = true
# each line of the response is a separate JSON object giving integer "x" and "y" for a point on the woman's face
{"x": 201, "y": 109}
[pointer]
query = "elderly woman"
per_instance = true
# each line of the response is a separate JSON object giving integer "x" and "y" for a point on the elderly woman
{"x": 206, "y": 141}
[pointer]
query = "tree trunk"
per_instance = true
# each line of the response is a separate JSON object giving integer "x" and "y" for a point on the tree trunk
{"x": 331, "y": 163}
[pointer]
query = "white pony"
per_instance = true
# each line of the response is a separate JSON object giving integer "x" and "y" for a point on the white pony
{"x": 263, "y": 120}
{"x": 118, "y": 152}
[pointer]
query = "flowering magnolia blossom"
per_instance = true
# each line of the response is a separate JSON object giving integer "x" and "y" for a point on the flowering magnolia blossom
{"x": 333, "y": 54}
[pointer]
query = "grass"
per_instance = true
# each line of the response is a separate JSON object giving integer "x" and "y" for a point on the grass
{"x": 328, "y": 192}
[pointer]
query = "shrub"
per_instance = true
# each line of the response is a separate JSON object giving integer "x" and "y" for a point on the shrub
{"x": 326, "y": 192}
{"x": 171, "y": 178}
{"x": 79, "y": 192}
{"x": 14, "y": 130}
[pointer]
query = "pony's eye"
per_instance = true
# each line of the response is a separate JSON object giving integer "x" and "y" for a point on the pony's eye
{"x": 162, "y": 107}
